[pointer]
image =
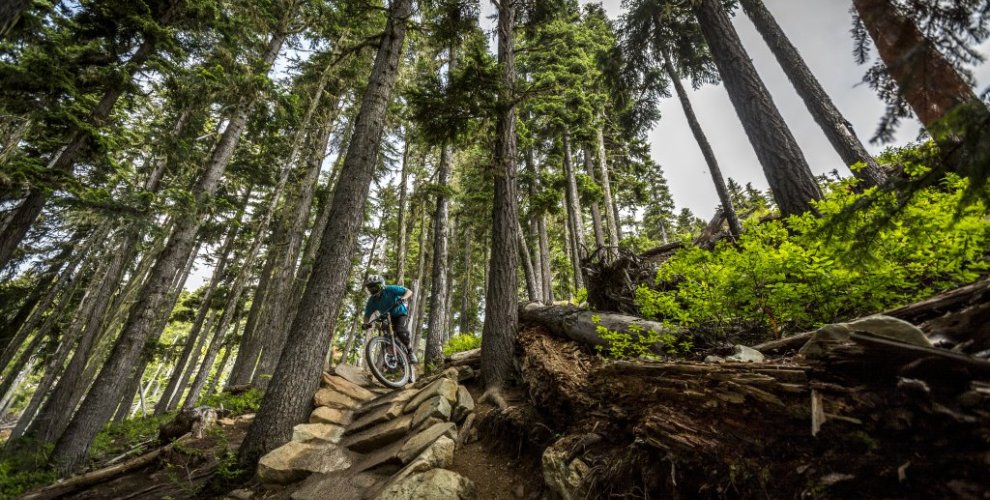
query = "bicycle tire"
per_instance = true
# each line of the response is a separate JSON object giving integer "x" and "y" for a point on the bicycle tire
{"x": 392, "y": 369}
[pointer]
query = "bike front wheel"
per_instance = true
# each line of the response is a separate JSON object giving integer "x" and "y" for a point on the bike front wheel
{"x": 388, "y": 362}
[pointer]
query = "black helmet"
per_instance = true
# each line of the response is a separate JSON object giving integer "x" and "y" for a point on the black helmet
{"x": 374, "y": 283}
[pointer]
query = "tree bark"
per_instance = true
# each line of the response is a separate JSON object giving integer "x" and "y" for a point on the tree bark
{"x": 541, "y": 228}
{"x": 467, "y": 322}
{"x": 575, "y": 223}
{"x": 400, "y": 253}
{"x": 501, "y": 315}
{"x": 417, "y": 305}
{"x": 611, "y": 209}
{"x": 942, "y": 99}
{"x": 97, "y": 408}
{"x": 791, "y": 181}
{"x": 582, "y": 325}
{"x": 706, "y": 149}
{"x": 836, "y": 128}
{"x": 596, "y": 214}
{"x": 532, "y": 290}
{"x": 231, "y": 315}
{"x": 288, "y": 399}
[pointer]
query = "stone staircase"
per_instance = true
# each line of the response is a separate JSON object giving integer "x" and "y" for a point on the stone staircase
{"x": 365, "y": 442}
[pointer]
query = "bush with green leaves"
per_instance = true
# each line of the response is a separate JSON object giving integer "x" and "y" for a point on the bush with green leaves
{"x": 808, "y": 270}
{"x": 640, "y": 342}
{"x": 237, "y": 404}
{"x": 461, "y": 343}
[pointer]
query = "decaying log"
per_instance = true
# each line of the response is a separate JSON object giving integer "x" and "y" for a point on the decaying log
{"x": 69, "y": 485}
{"x": 950, "y": 301}
{"x": 582, "y": 325}
{"x": 852, "y": 422}
{"x": 794, "y": 342}
{"x": 466, "y": 358}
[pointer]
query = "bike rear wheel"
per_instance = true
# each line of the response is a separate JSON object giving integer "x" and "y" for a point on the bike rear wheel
{"x": 388, "y": 362}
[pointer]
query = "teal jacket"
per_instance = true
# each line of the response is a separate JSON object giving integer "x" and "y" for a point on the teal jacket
{"x": 384, "y": 301}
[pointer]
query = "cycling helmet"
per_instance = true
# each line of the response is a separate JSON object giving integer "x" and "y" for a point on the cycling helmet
{"x": 374, "y": 283}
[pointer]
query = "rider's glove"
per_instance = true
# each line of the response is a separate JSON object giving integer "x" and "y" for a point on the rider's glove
{"x": 365, "y": 326}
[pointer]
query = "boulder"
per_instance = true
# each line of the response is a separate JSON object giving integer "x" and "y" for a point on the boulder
{"x": 421, "y": 441}
{"x": 333, "y": 399}
{"x": 745, "y": 354}
{"x": 295, "y": 460}
{"x": 714, "y": 359}
{"x": 440, "y": 387}
{"x": 381, "y": 434}
{"x": 348, "y": 388}
{"x": 891, "y": 328}
{"x": 378, "y": 415}
{"x": 323, "y": 432}
{"x": 327, "y": 415}
{"x": 241, "y": 494}
{"x": 436, "y": 407}
{"x": 464, "y": 405}
{"x": 429, "y": 485}
{"x": 353, "y": 375}
{"x": 881, "y": 326}
{"x": 439, "y": 455}
{"x": 385, "y": 399}
{"x": 562, "y": 476}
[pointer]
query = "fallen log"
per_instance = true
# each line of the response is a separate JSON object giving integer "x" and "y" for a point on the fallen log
{"x": 583, "y": 325}
{"x": 74, "y": 483}
{"x": 850, "y": 423}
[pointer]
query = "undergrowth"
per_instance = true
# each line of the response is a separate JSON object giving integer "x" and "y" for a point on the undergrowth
{"x": 799, "y": 273}
{"x": 461, "y": 343}
{"x": 237, "y": 404}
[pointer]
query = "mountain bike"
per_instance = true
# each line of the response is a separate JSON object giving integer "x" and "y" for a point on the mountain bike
{"x": 386, "y": 354}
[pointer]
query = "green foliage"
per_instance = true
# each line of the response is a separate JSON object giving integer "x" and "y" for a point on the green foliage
{"x": 807, "y": 271}
{"x": 580, "y": 297}
{"x": 639, "y": 342}
{"x": 461, "y": 343}
{"x": 23, "y": 466}
{"x": 238, "y": 404}
{"x": 118, "y": 437}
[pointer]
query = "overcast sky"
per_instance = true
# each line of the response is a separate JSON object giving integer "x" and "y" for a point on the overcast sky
{"x": 820, "y": 30}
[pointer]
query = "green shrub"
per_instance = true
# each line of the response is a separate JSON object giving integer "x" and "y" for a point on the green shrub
{"x": 461, "y": 343}
{"x": 639, "y": 342}
{"x": 118, "y": 437}
{"x": 238, "y": 404}
{"x": 24, "y": 466}
{"x": 807, "y": 271}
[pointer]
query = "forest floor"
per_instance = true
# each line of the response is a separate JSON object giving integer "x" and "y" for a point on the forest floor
{"x": 501, "y": 469}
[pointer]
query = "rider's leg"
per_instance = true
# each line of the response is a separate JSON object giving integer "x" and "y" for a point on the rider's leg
{"x": 401, "y": 329}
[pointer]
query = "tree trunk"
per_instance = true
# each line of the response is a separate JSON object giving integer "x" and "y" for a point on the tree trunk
{"x": 706, "y": 149}
{"x": 288, "y": 399}
{"x": 286, "y": 245}
{"x": 596, "y": 214}
{"x": 55, "y": 414}
{"x": 231, "y": 316}
{"x": 611, "y": 209}
{"x": 574, "y": 222}
{"x": 467, "y": 323}
{"x": 249, "y": 349}
{"x": 79, "y": 137}
{"x": 836, "y": 128}
{"x": 532, "y": 289}
{"x": 541, "y": 228}
{"x": 533, "y": 224}
{"x": 439, "y": 286}
{"x": 10, "y": 13}
{"x": 400, "y": 253}
{"x": 180, "y": 376}
{"x": 791, "y": 181}
{"x": 71, "y": 448}
{"x": 940, "y": 97}
{"x": 501, "y": 315}
{"x": 11, "y": 327}
{"x": 582, "y": 325}
{"x": 418, "y": 305}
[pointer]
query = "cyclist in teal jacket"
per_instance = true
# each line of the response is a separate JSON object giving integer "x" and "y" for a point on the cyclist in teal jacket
{"x": 391, "y": 300}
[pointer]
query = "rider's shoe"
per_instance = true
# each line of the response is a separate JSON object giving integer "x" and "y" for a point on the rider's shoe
{"x": 412, "y": 358}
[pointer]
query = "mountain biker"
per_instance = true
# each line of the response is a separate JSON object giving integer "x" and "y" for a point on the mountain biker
{"x": 391, "y": 300}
